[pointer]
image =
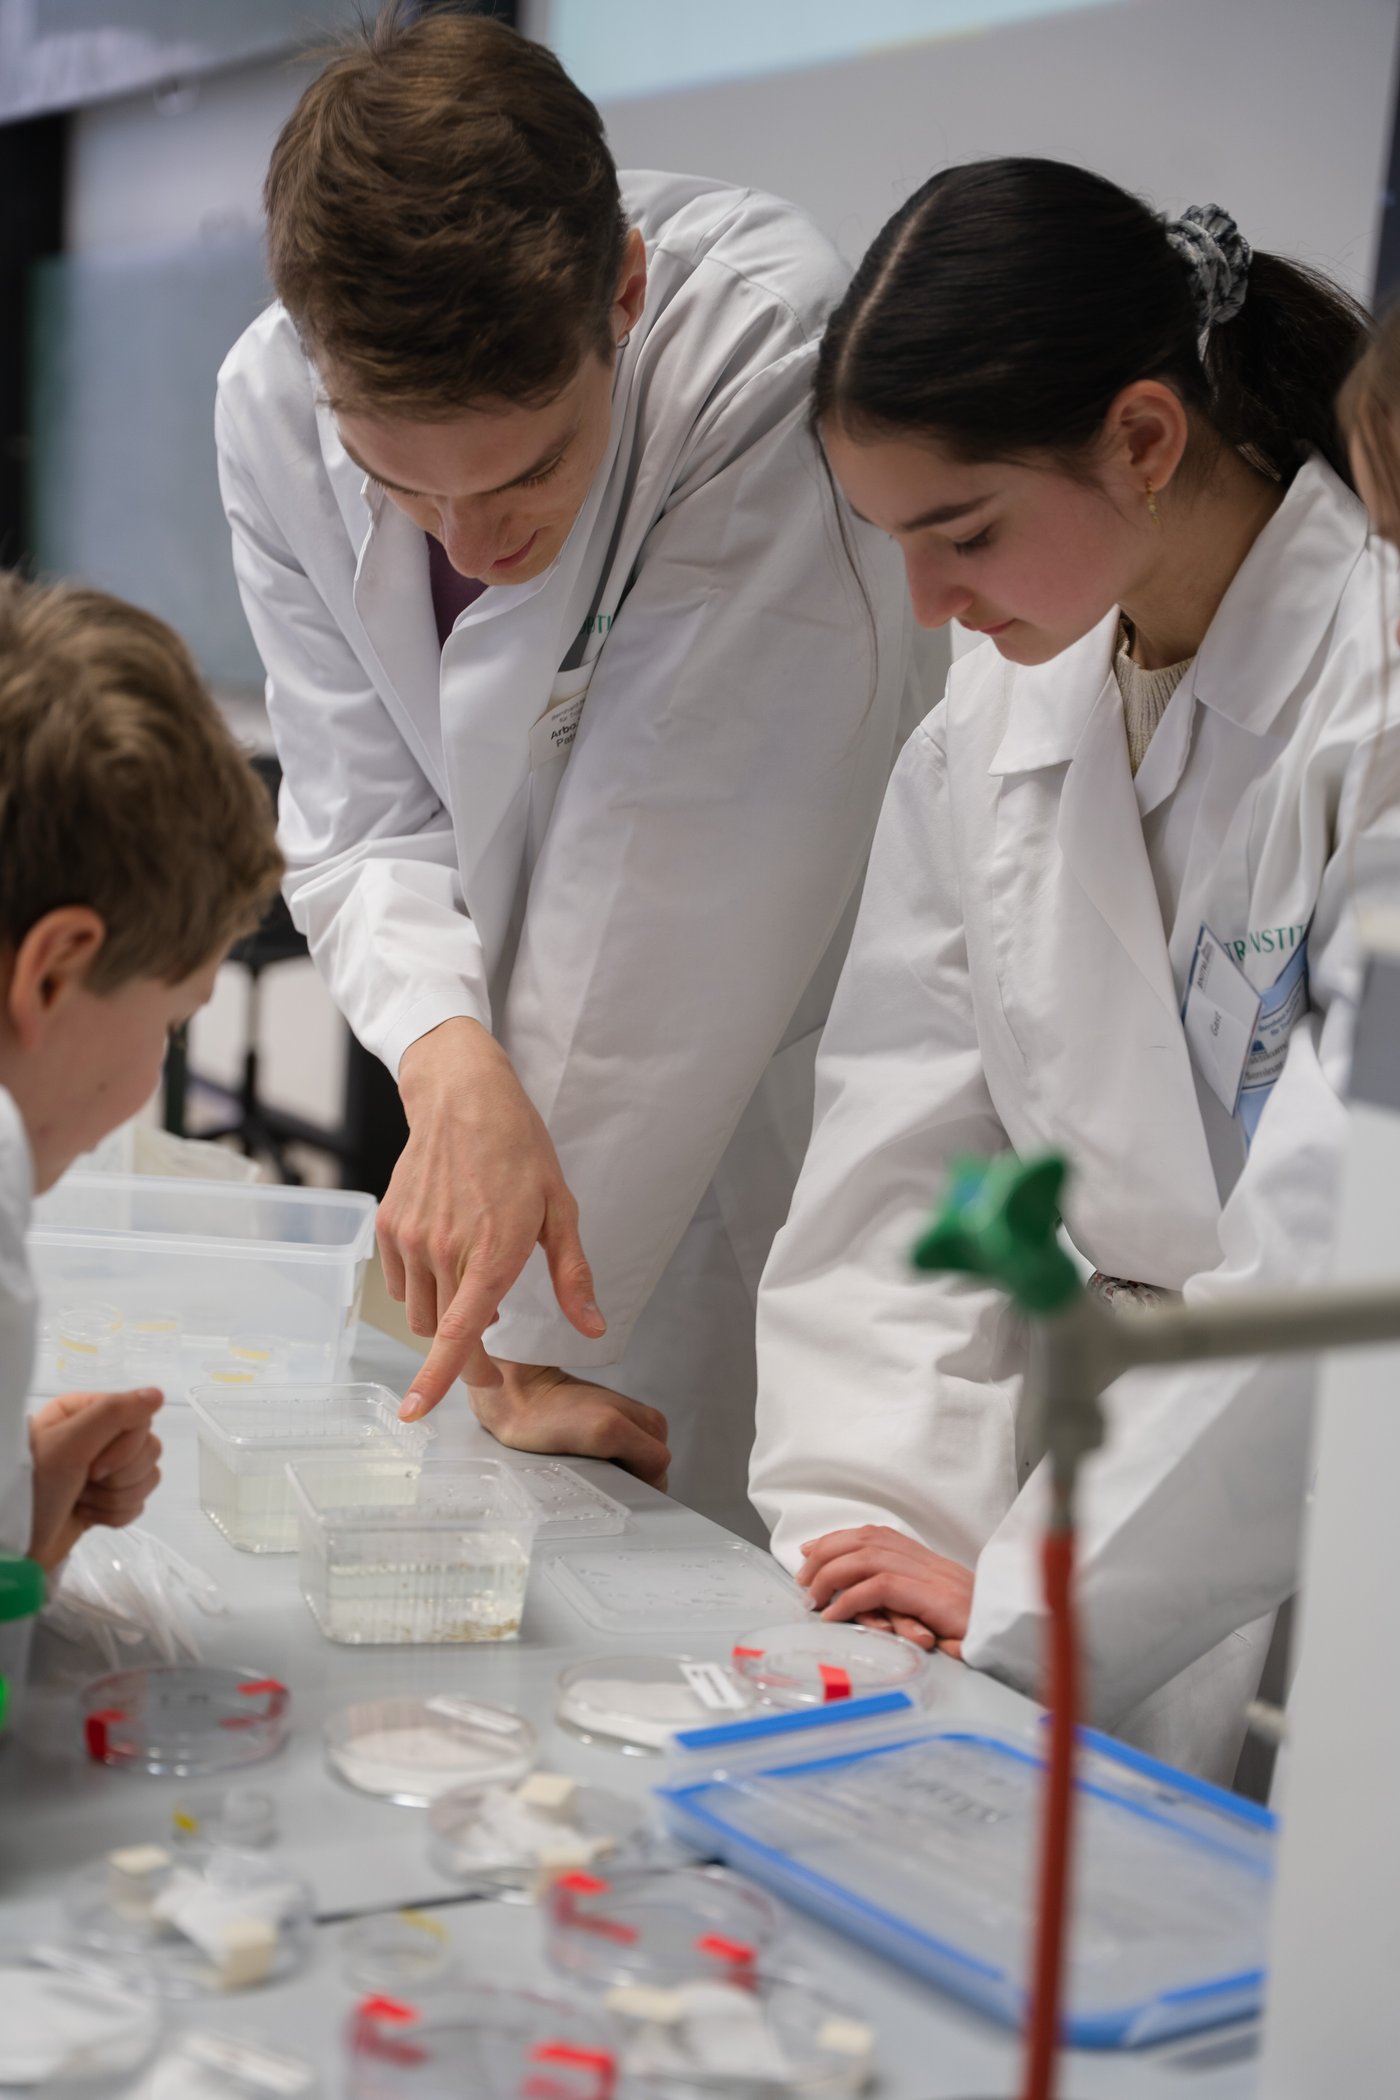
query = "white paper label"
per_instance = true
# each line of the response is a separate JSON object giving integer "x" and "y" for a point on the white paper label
{"x": 1220, "y": 1016}
{"x": 553, "y": 735}
{"x": 714, "y": 1687}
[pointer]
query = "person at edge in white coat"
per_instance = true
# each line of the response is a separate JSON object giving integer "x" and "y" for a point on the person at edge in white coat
{"x": 1108, "y": 443}
{"x": 598, "y": 971}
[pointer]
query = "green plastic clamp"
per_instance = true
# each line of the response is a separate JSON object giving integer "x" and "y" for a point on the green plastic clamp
{"x": 1000, "y": 1220}
{"x": 22, "y": 1592}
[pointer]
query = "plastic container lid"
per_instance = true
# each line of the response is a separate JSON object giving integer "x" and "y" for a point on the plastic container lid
{"x": 750, "y": 2040}
{"x": 675, "y": 1589}
{"x": 70, "y": 2019}
{"x": 670, "y": 1925}
{"x": 228, "y": 1921}
{"x": 286, "y": 1417}
{"x": 500, "y": 1841}
{"x": 396, "y": 1952}
{"x": 923, "y": 1843}
{"x": 412, "y": 1750}
{"x": 819, "y": 1663}
{"x": 468, "y": 2039}
{"x": 183, "y": 1721}
{"x": 570, "y": 1506}
{"x": 640, "y": 1703}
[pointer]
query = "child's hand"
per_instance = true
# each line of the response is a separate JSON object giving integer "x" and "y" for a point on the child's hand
{"x": 95, "y": 1462}
{"x": 879, "y": 1577}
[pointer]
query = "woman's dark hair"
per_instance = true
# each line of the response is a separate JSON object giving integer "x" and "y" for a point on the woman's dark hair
{"x": 1006, "y": 305}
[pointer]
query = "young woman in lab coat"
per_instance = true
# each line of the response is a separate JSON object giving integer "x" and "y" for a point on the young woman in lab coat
{"x": 510, "y": 439}
{"x": 1107, "y": 445}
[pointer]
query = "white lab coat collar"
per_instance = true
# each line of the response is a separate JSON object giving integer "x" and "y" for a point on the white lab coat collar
{"x": 1286, "y": 586}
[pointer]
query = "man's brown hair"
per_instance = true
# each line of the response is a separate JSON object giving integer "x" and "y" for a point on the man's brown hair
{"x": 122, "y": 789}
{"x": 444, "y": 221}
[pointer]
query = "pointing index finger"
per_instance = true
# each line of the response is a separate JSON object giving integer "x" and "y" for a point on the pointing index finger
{"x": 457, "y": 1352}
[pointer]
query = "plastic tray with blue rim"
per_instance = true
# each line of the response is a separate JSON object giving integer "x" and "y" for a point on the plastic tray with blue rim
{"x": 922, "y": 1842}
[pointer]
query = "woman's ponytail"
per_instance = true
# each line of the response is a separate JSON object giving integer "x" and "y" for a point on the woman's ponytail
{"x": 1008, "y": 302}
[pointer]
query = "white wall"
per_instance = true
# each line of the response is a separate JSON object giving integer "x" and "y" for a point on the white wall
{"x": 1277, "y": 109}
{"x": 167, "y": 167}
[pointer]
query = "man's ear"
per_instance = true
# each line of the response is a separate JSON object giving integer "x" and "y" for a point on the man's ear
{"x": 51, "y": 965}
{"x": 631, "y": 286}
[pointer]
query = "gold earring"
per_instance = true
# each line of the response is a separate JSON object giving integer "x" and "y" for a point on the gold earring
{"x": 1152, "y": 510}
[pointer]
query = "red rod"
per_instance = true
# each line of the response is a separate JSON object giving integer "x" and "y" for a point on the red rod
{"x": 1043, "y": 2033}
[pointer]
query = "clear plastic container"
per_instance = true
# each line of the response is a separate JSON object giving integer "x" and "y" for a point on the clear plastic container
{"x": 183, "y": 1721}
{"x": 665, "y": 1926}
{"x": 923, "y": 1844}
{"x": 413, "y": 1750}
{"x": 223, "y": 1258}
{"x": 675, "y": 1589}
{"x": 751, "y": 2040}
{"x": 466, "y": 2039}
{"x": 817, "y": 1664}
{"x": 640, "y": 1703}
{"x": 247, "y": 1437}
{"x": 71, "y": 2021}
{"x": 228, "y": 1922}
{"x": 397, "y": 1952}
{"x": 499, "y": 1841}
{"x": 398, "y": 1552}
{"x": 568, "y": 1505}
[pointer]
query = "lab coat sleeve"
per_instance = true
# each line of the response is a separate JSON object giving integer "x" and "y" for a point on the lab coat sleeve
{"x": 709, "y": 830}
{"x": 372, "y": 877}
{"x": 1190, "y": 1515}
{"x": 886, "y": 1397}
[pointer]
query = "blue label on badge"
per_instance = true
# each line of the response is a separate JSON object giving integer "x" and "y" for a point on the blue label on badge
{"x": 1282, "y": 1006}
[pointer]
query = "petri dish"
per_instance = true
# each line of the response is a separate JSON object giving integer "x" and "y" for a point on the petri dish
{"x": 640, "y": 1703}
{"x": 238, "y": 1815}
{"x": 675, "y": 1589}
{"x": 399, "y": 1952}
{"x": 815, "y": 1664}
{"x": 266, "y": 1354}
{"x": 412, "y": 1750}
{"x": 667, "y": 1925}
{"x": 493, "y": 2044}
{"x": 225, "y": 1922}
{"x": 71, "y": 2021}
{"x": 88, "y": 1341}
{"x": 570, "y": 1506}
{"x": 183, "y": 1720}
{"x": 750, "y": 2040}
{"x": 515, "y": 1841}
{"x": 152, "y": 1338}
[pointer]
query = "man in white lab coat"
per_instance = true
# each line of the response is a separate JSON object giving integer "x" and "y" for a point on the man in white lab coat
{"x": 585, "y": 695}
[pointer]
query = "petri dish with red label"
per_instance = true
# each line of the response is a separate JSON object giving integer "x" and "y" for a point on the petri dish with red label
{"x": 660, "y": 1925}
{"x": 817, "y": 1664}
{"x": 183, "y": 1721}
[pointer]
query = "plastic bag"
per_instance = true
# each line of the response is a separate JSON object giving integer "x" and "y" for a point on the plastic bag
{"x": 119, "y": 1588}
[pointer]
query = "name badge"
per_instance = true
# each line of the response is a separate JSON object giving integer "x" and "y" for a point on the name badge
{"x": 1220, "y": 1015}
{"x": 553, "y": 735}
{"x": 1282, "y": 1006}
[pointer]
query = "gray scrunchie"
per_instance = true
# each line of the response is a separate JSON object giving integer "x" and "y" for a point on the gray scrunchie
{"x": 1218, "y": 256}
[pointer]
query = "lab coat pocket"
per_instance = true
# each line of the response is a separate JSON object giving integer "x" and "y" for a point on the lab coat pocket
{"x": 551, "y": 741}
